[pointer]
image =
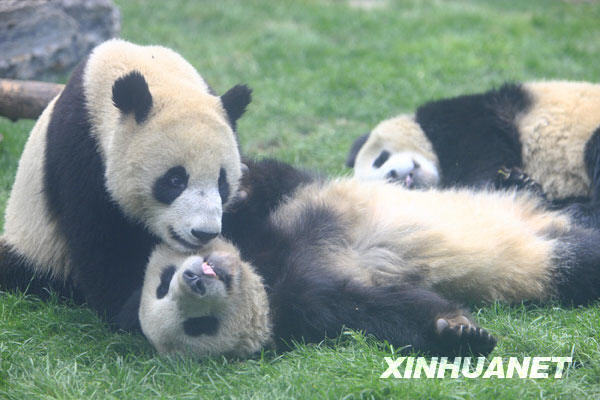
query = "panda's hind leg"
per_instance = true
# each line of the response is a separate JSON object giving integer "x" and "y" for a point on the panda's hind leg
{"x": 458, "y": 334}
{"x": 17, "y": 274}
{"x": 309, "y": 304}
{"x": 577, "y": 275}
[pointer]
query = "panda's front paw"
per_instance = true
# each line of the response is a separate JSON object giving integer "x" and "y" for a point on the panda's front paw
{"x": 459, "y": 336}
{"x": 515, "y": 178}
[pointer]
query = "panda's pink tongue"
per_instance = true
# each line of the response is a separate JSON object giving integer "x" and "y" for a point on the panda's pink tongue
{"x": 207, "y": 270}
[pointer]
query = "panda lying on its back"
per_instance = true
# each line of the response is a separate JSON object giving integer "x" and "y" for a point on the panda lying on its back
{"x": 134, "y": 151}
{"x": 342, "y": 253}
{"x": 549, "y": 130}
{"x": 214, "y": 303}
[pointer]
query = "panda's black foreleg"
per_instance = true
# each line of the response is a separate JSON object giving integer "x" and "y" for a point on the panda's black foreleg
{"x": 313, "y": 307}
{"x": 127, "y": 318}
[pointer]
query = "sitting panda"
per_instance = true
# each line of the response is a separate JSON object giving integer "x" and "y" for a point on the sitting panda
{"x": 341, "y": 253}
{"x": 119, "y": 161}
{"x": 537, "y": 133}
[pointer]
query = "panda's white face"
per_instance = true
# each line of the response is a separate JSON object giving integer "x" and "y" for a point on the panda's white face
{"x": 175, "y": 168}
{"x": 407, "y": 168}
{"x": 398, "y": 151}
{"x": 177, "y": 179}
{"x": 204, "y": 304}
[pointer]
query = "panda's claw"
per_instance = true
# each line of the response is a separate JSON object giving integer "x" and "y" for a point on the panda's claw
{"x": 459, "y": 336}
{"x": 516, "y": 178}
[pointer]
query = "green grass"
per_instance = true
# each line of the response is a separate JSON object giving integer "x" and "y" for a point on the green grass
{"x": 322, "y": 73}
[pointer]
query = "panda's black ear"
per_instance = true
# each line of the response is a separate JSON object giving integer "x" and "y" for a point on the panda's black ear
{"x": 356, "y": 146}
{"x": 130, "y": 94}
{"x": 235, "y": 101}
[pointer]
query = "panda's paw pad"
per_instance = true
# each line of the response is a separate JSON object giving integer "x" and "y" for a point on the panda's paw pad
{"x": 460, "y": 336}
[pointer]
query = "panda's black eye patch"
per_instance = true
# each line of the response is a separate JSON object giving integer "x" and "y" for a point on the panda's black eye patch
{"x": 382, "y": 158}
{"x": 169, "y": 186}
{"x": 223, "y": 185}
{"x": 208, "y": 325}
{"x": 165, "y": 281}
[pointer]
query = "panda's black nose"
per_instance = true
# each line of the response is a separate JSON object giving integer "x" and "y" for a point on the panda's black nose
{"x": 204, "y": 236}
{"x": 194, "y": 281}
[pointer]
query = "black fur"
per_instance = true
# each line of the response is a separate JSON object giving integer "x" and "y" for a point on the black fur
{"x": 223, "y": 185}
{"x": 586, "y": 211}
{"x": 267, "y": 182}
{"x": 356, "y": 146}
{"x": 309, "y": 305}
{"x": 108, "y": 251}
{"x": 578, "y": 273}
{"x": 308, "y": 302}
{"x": 224, "y": 276}
{"x": 128, "y": 318}
{"x": 130, "y": 94}
{"x": 165, "y": 281}
{"x": 208, "y": 325}
{"x": 168, "y": 187}
{"x": 235, "y": 101}
{"x": 592, "y": 164}
{"x": 475, "y": 135}
{"x": 381, "y": 158}
{"x": 17, "y": 274}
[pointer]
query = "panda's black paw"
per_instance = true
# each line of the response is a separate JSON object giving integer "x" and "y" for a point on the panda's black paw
{"x": 459, "y": 336}
{"x": 515, "y": 178}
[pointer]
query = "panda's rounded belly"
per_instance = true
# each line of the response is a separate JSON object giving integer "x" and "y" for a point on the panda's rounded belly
{"x": 561, "y": 172}
{"x": 494, "y": 241}
{"x": 28, "y": 228}
{"x": 553, "y": 154}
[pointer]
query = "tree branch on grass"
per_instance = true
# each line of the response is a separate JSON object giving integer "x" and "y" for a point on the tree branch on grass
{"x": 25, "y": 99}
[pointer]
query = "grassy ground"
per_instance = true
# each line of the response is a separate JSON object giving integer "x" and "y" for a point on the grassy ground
{"x": 322, "y": 73}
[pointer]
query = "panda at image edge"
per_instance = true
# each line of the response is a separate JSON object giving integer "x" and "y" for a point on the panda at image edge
{"x": 543, "y": 136}
{"x": 323, "y": 255}
{"x": 119, "y": 161}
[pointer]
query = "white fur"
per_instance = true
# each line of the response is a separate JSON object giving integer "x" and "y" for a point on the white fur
{"x": 408, "y": 146}
{"x": 243, "y": 312}
{"x": 554, "y": 133}
{"x": 27, "y": 225}
{"x": 469, "y": 245}
{"x": 187, "y": 126}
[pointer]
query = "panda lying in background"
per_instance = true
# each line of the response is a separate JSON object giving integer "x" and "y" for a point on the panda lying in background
{"x": 118, "y": 162}
{"x": 329, "y": 254}
{"x": 547, "y": 132}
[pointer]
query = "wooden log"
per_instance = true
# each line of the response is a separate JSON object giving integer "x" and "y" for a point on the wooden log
{"x": 25, "y": 99}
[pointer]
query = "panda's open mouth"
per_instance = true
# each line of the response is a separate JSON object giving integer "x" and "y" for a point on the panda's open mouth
{"x": 182, "y": 241}
{"x": 201, "y": 276}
